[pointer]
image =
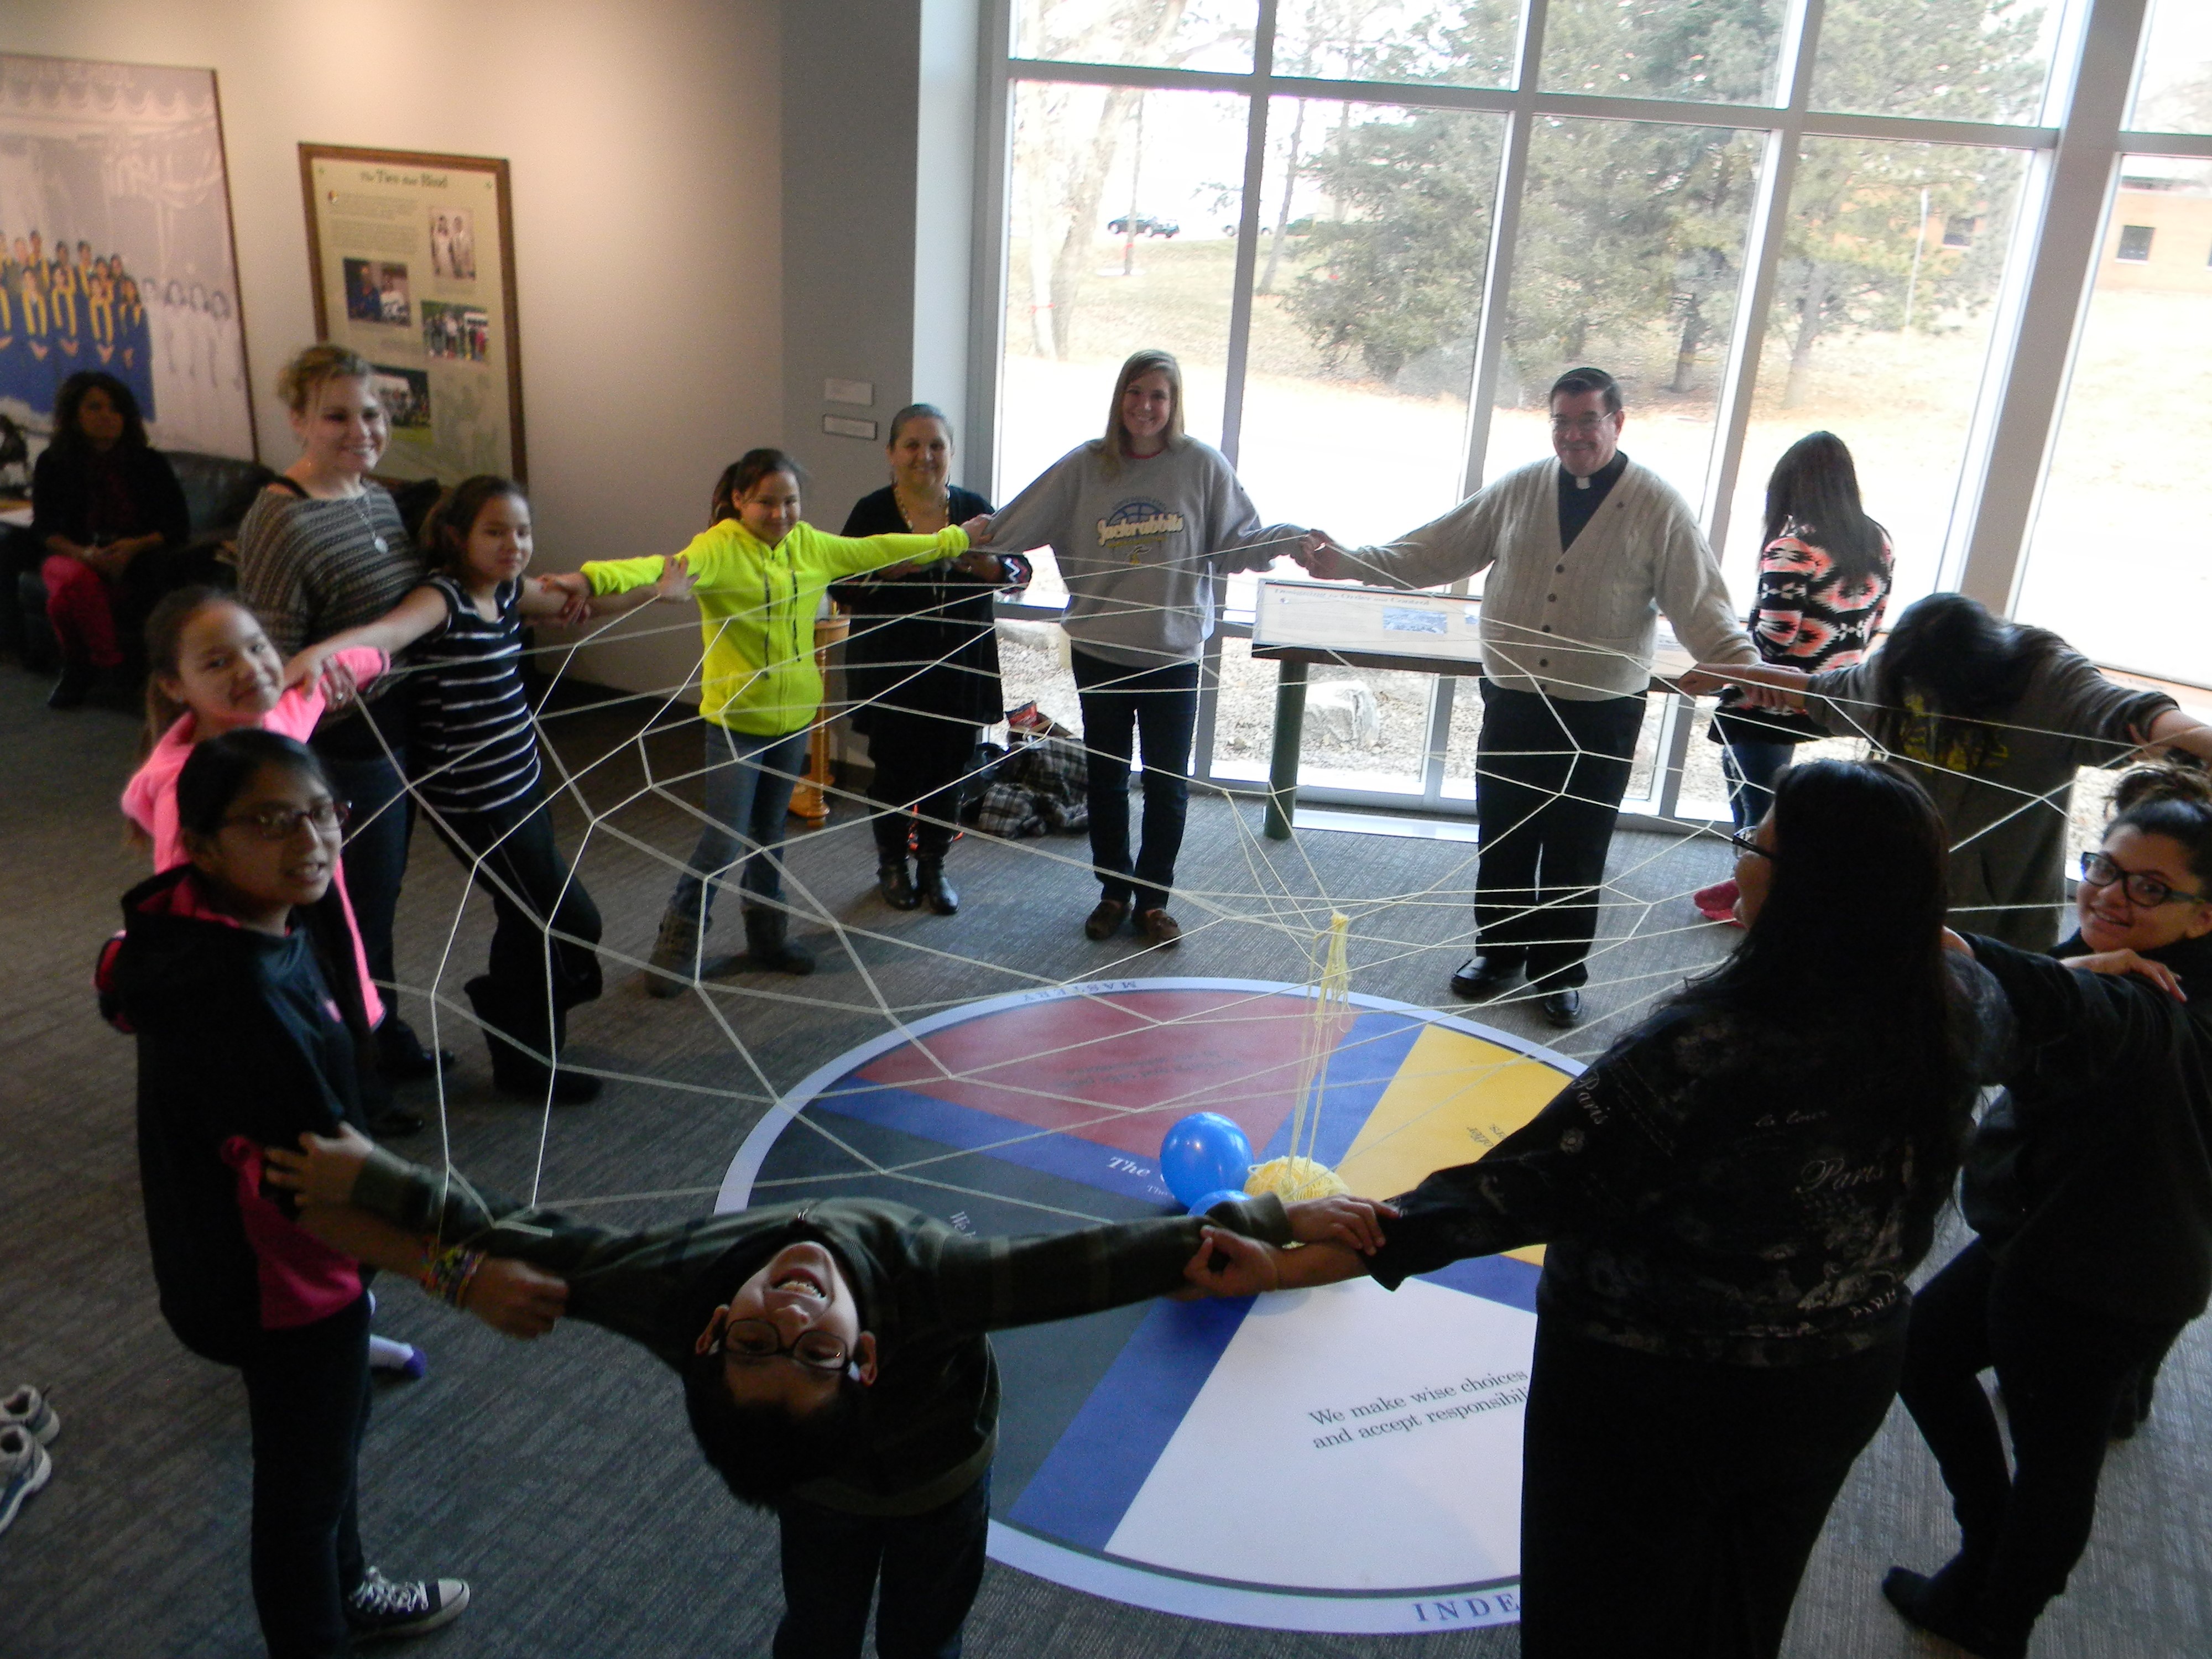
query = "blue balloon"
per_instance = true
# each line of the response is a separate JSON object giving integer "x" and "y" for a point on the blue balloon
{"x": 1205, "y": 1153}
{"x": 1222, "y": 1195}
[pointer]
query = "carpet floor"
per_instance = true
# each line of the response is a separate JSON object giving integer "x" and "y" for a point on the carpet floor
{"x": 559, "y": 1478}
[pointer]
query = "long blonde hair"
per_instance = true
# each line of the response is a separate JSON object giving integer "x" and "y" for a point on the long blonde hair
{"x": 1114, "y": 445}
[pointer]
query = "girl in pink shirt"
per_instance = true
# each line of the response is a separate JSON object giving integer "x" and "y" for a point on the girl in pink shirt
{"x": 210, "y": 669}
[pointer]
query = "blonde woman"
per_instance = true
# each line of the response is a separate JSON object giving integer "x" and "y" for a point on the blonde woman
{"x": 323, "y": 549}
{"x": 1141, "y": 521}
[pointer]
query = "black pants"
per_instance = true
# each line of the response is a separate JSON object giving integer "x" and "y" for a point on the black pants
{"x": 307, "y": 1396}
{"x": 543, "y": 962}
{"x": 919, "y": 760}
{"x": 1668, "y": 1506}
{"x": 1550, "y": 773}
{"x": 375, "y": 859}
{"x": 2064, "y": 1368}
{"x": 1158, "y": 707}
{"x": 931, "y": 1566}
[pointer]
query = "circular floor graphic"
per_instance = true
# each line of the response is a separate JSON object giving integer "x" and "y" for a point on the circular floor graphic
{"x": 1142, "y": 1449}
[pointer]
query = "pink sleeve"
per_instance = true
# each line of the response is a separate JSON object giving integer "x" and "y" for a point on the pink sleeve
{"x": 150, "y": 800}
{"x": 300, "y": 710}
{"x": 366, "y": 661}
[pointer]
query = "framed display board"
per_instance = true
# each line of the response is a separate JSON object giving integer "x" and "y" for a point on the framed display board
{"x": 413, "y": 258}
{"x": 116, "y": 252}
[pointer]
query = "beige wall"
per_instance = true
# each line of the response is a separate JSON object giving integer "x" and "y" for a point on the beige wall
{"x": 2180, "y": 247}
{"x": 646, "y": 158}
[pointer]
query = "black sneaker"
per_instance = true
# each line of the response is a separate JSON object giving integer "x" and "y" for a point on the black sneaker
{"x": 381, "y": 1609}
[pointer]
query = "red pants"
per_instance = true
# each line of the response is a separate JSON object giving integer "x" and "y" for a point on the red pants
{"x": 81, "y": 610}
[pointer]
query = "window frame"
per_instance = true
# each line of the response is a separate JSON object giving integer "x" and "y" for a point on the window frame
{"x": 2073, "y": 152}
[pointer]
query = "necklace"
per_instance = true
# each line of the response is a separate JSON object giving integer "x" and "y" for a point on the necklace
{"x": 943, "y": 504}
{"x": 368, "y": 522}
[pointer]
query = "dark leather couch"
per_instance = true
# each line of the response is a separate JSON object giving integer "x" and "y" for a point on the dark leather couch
{"x": 217, "y": 491}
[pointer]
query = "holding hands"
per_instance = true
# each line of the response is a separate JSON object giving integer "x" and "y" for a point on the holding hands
{"x": 514, "y": 1299}
{"x": 1762, "y": 685}
{"x": 1333, "y": 1238}
{"x": 1322, "y": 555}
{"x": 512, "y": 1296}
{"x": 2127, "y": 962}
{"x": 322, "y": 1172}
{"x": 1354, "y": 1223}
{"x": 317, "y": 664}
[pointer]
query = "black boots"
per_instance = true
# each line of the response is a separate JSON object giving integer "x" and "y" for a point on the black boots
{"x": 930, "y": 883}
{"x": 767, "y": 947}
{"x": 518, "y": 1032}
{"x": 897, "y": 886}
{"x": 926, "y": 884}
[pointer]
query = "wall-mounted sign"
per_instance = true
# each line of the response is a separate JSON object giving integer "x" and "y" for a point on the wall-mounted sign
{"x": 413, "y": 258}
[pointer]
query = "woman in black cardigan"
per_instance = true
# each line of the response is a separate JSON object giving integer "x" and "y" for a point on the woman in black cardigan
{"x": 2089, "y": 1184}
{"x": 106, "y": 509}
{"x": 922, "y": 660}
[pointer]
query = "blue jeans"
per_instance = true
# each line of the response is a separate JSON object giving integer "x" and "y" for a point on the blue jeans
{"x": 931, "y": 1566}
{"x": 1751, "y": 769}
{"x": 749, "y": 784}
{"x": 1158, "y": 708}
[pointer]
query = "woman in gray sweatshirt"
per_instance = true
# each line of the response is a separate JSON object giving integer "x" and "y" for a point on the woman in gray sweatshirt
{"x": 1141, "y": 521}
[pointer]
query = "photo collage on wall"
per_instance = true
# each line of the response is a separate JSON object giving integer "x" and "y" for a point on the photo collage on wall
{"x": 411, "y": 272}
{"x": 115, "y": 248}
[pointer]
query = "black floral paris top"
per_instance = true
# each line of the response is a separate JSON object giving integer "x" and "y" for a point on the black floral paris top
{"x": 1716, "y": 1187}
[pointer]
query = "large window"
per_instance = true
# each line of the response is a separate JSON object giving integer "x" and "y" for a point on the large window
{"x": 1375, "y": 230}
{"x": 2115, "y": 562}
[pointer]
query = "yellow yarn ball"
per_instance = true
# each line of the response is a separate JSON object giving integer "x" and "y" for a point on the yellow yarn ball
{"x": 1293, "y": 1179}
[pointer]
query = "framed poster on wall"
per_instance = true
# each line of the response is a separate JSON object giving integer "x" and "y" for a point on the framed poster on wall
{"x": 413, "y": 258}
{"x": 116, "y": 252}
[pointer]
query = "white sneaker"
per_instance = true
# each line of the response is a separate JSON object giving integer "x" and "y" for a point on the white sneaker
{"x": 380, "y": 1607}
{"x": 24, "y": 1467}
{"x": 28, "y": 1409}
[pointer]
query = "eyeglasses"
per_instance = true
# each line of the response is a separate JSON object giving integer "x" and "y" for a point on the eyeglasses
{"x": 1582, "y": 426}
{"x": 282, "y": 823}
{"x": 755, "y": 1342}
{"x": 2142, "y": 889}
{"x": 1742, "y": 842}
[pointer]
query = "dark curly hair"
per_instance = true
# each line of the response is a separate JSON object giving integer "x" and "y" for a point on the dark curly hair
{"x": 2169, "y": 800}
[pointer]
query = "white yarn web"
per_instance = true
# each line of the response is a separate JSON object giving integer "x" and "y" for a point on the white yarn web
{"x": 1284, "y": 907}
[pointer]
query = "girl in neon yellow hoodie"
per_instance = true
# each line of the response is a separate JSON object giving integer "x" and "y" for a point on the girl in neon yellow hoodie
{"x": 758, "y": 574}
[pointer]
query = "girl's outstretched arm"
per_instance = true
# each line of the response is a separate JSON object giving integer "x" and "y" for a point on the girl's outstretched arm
{"x": 1228, "y": 1264}
{"x": 674, "y": 581}
{"x": 2176, "y": 730}
{"x": 550, "y": 598}
{"x": 423, "y": 612}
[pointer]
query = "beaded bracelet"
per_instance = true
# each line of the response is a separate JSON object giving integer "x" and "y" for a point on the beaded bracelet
{"x": 448, "y": 1276}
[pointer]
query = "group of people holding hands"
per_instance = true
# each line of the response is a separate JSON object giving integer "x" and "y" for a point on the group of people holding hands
{"x": 1734, "y": 1195}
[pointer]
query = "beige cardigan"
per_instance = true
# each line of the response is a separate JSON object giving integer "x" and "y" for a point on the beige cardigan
{"x": 1578, "y": 623}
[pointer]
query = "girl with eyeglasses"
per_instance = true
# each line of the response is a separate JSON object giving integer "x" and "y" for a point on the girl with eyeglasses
{"x": 237, "y": 975}
{"x": 2089, "y": 1186}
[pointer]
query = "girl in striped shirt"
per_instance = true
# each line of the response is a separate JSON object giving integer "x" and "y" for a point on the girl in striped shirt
{"x": 474, "y": 762}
